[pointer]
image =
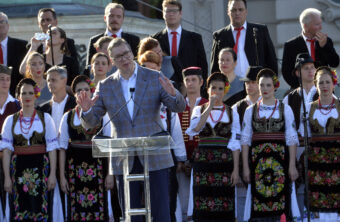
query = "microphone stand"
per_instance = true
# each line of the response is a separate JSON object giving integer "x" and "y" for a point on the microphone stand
{"x": 305, "y": 143}
{"x": 50, "y": 29}
{"x": 256, "y": 50}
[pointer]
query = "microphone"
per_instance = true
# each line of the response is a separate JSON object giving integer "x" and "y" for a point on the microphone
{"x": 114, "y": 115}
{"x": 50, "y": 29}
{"x": 256, "y": 50}
{"x": 163, "y": 132}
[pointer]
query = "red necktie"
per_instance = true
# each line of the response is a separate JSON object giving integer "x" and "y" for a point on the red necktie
{"x": 237, "y": 38}
{"x": 174, "y": 44}
{"x": 312, "y": 48}
{"x": 114, "y": 35}
{"x": 1, "y": 56}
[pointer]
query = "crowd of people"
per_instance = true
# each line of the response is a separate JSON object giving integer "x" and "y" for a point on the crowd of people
{"x": 238, "y": 151}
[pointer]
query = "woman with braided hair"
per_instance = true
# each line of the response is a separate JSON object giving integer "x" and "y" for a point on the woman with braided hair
{"x": 216, "y": 160}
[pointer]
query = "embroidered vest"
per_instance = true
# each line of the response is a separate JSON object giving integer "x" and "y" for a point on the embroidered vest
{"x": 35, "y": 139}
{"x": 263, "y": 125}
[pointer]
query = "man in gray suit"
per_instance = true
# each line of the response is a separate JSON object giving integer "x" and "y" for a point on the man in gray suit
{"x": 137, "y": 118}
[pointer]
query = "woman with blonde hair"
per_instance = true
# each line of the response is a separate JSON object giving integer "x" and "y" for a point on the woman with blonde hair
{"x": 35, "y": 69}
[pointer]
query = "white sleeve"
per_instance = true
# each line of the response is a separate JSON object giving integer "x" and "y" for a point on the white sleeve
{"x": 301, "y": 128}
{"x": 195, "y": 118}
{"x": 290, "y": 132}
{"x": 234, "y": 142}
{"x": 50, "y": 134}
{"x": 107, "y": 128}
{"x": 63, "y": 132}
{"x": 247, "y": 130}
{"x": 6, "y": 134}
{"x": 285, "y": 100}
{"x": 177, "y": 136}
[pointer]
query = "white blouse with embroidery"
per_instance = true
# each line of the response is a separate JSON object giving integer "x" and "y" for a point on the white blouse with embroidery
{"x": 265, "y": 111}
{"x": 50, "y": 132}
{"x": 234, "y": 142}
{"x": 63, "y": 129}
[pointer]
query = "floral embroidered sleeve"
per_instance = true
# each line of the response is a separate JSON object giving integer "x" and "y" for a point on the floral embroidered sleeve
{"x": 234, "y": 142}
{"x": 247, "y": 130}
{"x": 290, "y": 133}
{"x": 6, "y": 134}
{"x": 195, "y": 118}
{"x": 50, "y": 134}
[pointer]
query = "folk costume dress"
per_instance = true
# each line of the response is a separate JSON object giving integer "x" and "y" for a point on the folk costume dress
{"x": 30, "y": 139}
{"x": 324, "y": 160}
{"x": 87, "y": 199}
{"x": 268, "y": 131}
{"x": 212, "y": 196}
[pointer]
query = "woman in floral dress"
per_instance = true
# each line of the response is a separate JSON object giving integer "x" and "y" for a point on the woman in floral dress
{"x": 269, "y": 141}
{"x": 29, "y": 142}
{"x": 216, "y": 161}
{"x": 324, "y": 152}
{"x": 86, "y": 179}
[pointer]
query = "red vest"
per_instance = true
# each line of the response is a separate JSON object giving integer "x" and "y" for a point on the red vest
{"x": 184, "y": 117}
{"x": 11, "y": 107}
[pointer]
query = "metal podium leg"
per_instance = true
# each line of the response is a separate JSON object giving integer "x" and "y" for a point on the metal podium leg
{"x": 147, "y": 187}
{"x": 126, "y": 188}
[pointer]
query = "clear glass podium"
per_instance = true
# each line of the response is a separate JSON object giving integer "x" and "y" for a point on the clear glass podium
{"x": 120, "y": 149}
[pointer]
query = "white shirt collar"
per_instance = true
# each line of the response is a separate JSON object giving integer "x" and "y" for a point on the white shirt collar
{"x": 9, "y": 99}
{"x": 4, "y": 42}
{"x": 134, "y": 74}
{"x": 250, "y": 102}
{"x": 244, "y": 26}
{"x": 178, "y": 30}
{"x": 198, "y": 100}
{"x": 119, "y": 33}
{"x": 63, "y": 101}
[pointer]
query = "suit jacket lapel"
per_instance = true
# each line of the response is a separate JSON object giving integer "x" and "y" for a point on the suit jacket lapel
{"x": 70, "y": 103}
{"x": 164, "y": 41}
{"x": 141, "y": 85}
{"x": 229, "y": 34}
{"x": 249, "y": 45}
{"x": 303, "y": 44}
{"x": 184, "y": 40}
{"x": 118, "y": 93}
{"x": 9, "y": 52}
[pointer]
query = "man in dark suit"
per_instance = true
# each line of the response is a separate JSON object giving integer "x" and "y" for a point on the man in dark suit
{"x": 312, "y": 41}
{"x": 114, "y": 18}
{"x": 242, "y": 37}
{"x": 176, "y": 41}
{"x": 12, "y": 52}
{"x": 46, "y": 17}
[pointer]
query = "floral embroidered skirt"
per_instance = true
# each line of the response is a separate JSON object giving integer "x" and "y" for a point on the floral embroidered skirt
{"x": 270, "y": 183}
{"x": 87, "y": 197}
{"x": 324, "y": 174}
{"x": 213, "y": 195}
{"x": 30, "y": 200}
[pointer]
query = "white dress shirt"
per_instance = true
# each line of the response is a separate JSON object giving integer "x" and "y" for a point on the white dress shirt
{"x": 179, "y": 33}
{"x": 126, "y": 85}
{"x": 308, "y": 44}
{"x": 9, "y": 99}
{"x": 118, "y": 34}
{"x": 242, "y": 61}
{"x": 58, "y": 111}
{"x": 4, "y": 46}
